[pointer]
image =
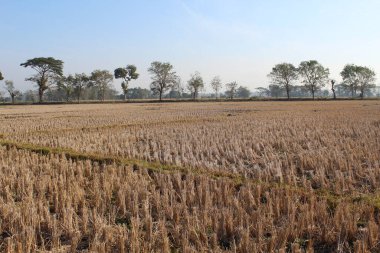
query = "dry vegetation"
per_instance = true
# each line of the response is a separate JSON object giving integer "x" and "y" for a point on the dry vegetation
{"x": 191, "y": 177}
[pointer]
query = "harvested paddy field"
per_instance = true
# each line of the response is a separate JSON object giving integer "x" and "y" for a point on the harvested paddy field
{"x": 191, "y": 177}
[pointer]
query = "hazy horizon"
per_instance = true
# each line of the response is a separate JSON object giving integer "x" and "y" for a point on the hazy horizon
{"x": 237, "y": 40}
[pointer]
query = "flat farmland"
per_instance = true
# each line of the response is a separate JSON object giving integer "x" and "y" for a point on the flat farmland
{"x": 191, "y": 177}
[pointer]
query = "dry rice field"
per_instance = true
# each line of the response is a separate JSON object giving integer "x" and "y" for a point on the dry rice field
{"x": 191, "y": 177}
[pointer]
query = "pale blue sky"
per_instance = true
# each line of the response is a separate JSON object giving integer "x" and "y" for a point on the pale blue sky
{"x": 239, "y": 40}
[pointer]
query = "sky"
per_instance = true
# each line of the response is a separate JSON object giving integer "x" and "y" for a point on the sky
{"x": 238, "y": 40}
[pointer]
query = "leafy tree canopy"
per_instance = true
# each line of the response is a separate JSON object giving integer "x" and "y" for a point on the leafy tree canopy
{"x": 66, "y": 84}
{"x": 284, "y": 74}
{"x": 314, "y": 75}
{"x": 243, "y": 92}
{"x": 163, "y": 77}
{"x": 357, "y": 77}
{"x": 127, "y": 73}
{"x": 102, "y": 80}
{"x": 45, "y": 65}
{"x": 48, "y": 69}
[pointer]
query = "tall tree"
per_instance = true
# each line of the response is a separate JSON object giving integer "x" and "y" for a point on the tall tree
{"x": 195, "y": 84}
{"x": 283, "y": 75}
{"x": 66, "y": 84}
{"x": 231, "y": 89}
{"x": 101, "y": 80}
{"x": 13, "y": 93}
{"x": 127, "y": 74}
{"x": 163, "y": 77}
{"x": 350, "y": 79}
{"x": 216, "y": 85}
{"x": 47, "y": 70}
{"x": 81, "y": 81}
{"x": 357, "y": 78}
{"x": 366, "y": 79}
{"x": 314, "y": 75}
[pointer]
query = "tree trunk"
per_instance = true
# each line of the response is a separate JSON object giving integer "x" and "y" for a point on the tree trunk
{"x": 125, "y": 96}
{"x": 40, "y": 94}
{"x": 333, "y": 90}
{"x": 288, "y": 93}
{"x": 13, "y": 98}
{"x": 160, "y": 95}
{"x": 312, "y": 92}
{"x": 79, "y": 92}
{"x": 103, "y": 94}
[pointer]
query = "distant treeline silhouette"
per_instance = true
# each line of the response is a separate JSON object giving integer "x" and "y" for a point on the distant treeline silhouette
{"x": 311, "y": 76}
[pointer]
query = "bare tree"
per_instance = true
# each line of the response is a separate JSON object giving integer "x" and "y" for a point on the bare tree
{"x": 216, "y": 85}
{"x": 176, "y": 90}
{"x": 13, "y": 93}
{"x": 195, "y": 84}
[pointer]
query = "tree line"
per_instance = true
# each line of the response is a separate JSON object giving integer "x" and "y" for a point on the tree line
{"x": 314, "y": 76}
{"x": 165, "y": 83}
{"x": 51, "y": 83}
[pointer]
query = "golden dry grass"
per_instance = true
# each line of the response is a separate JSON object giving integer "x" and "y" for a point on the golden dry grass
{"x": 191, "y": 177}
